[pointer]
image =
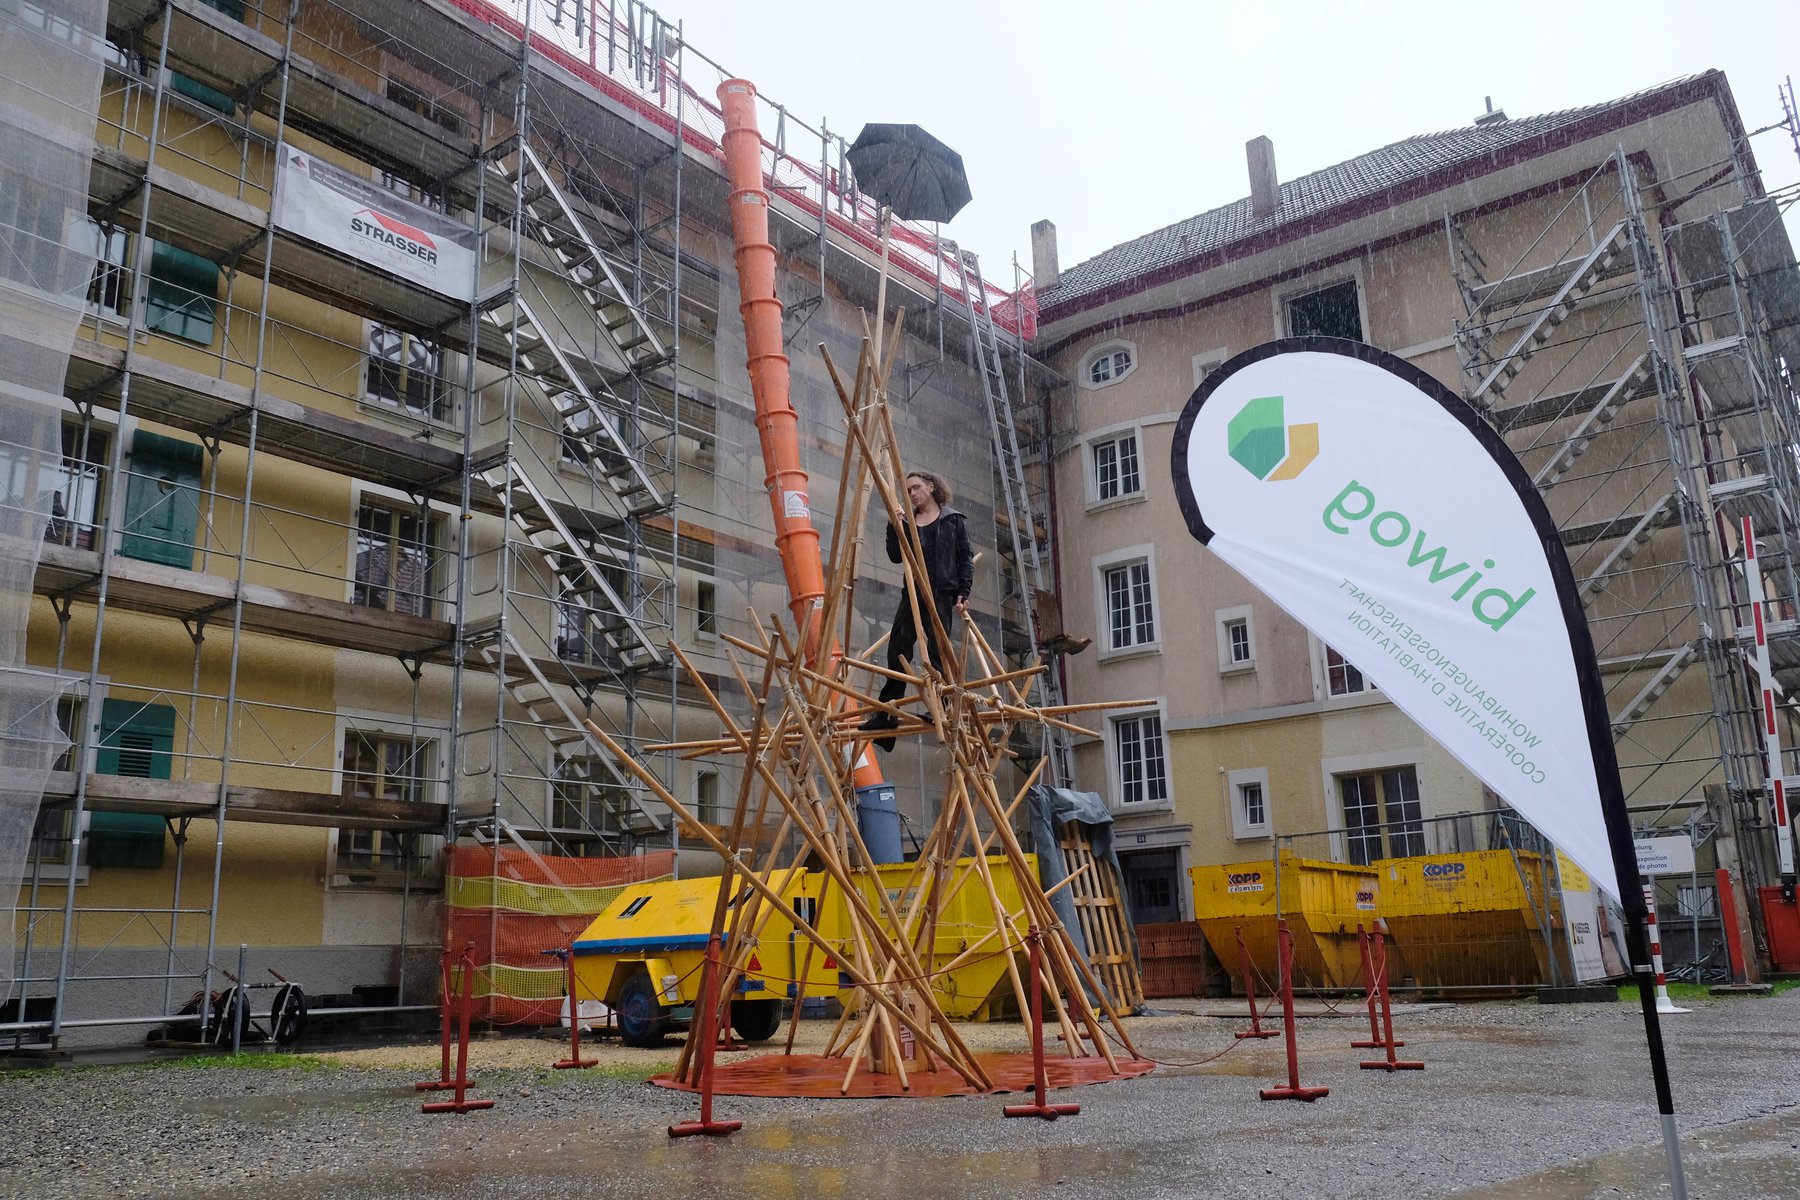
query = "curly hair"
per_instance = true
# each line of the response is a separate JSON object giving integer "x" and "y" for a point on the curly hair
{"x": 940, "y": 490}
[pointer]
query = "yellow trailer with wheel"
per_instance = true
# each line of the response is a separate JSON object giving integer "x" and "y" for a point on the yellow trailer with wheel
{"x": 642, "y": 955}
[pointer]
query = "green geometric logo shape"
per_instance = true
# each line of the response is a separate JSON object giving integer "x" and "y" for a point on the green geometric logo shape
{"x": 1260, "y": 440}
{"x": 1257, "y": 436}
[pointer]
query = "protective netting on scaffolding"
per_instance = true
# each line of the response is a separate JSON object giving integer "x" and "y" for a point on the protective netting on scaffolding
{"x": 49, "y": 96}
{"x": 628, "y": 52}
{"x": 516, "y": 907}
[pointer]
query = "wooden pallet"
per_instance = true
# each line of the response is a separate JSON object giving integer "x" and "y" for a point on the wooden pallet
{"x": 1100, "y": 912}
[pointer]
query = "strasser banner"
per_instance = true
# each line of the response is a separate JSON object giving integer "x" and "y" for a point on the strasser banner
{"x": 1373, "y": 505}
{"x": 345, "y": 212}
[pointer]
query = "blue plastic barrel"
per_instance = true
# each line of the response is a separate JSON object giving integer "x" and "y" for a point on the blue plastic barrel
{"x": 878, "y": 817}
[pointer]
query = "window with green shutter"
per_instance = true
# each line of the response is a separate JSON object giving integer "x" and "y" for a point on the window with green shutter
{"x": 182, "y": 294}
{"x": 162, "y": 500}
{"x": 136, "y": 740}
{"x": 210, "y": 96}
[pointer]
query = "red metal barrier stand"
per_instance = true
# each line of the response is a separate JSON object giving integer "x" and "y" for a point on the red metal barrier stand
{"x": 1374, "y": 1040}
{"x": 1039, "y": 1107}
{"x": 708, "y": 1034}
{"x": 1256, "y": 1030}
{"x": 1390, "y": 1063}
{"x": 574, "y": 1060}
{"x": 465, "y": 1008}
{"x": 1293, "y": 1090}
{"x": 445, "y": 996}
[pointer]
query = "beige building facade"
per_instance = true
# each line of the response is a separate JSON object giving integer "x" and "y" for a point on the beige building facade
{"x": 1531, "y": 265}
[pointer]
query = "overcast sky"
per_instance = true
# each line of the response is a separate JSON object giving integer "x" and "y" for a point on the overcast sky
{"x": 1114, "y": 119}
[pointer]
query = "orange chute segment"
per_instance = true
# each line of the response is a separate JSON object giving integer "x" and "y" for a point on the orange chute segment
{"x": 777, "y": 424}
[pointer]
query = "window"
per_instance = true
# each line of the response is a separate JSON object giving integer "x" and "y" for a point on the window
{"x": 1108, "y": 364}
{"x": 1130, "y": 607}
{"x": 584, "y": 616}
{"x": 1206, "y": 364}
{"x": 1247, "y": 796}
{"x": 110, "y": 289}
{"x": 1115, "y": 464}
{"x": 706, "y": 798}
{"x": 1329, "y": 312}
{"x": 395, "y": 553}
{"x": 137, "y": 740}
{"x": 162, "y": 500}
{"x": 435, "y": 111}
{"x": 383, "y": 767}
{"x": 52, "y": 833}
{"x": 407, "y": 189}
{"x": 1237, "y": 648}
{"x": 75, "y": 487}
{"x": 182, "y": 294}
{"x": 586, "y": 800}
{"x": 1341, "y": 676}
{"x": 406, "y": 372}
{"x": 1382, "y": 817}
{"x": 706, "y": 609}
{"x": 1142, "y": 766}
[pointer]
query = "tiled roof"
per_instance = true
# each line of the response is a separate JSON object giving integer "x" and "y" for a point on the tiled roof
{"x": 1359, "y": 179}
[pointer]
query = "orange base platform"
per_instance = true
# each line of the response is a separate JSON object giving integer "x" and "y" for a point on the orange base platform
{"x": 814, "y": 1076}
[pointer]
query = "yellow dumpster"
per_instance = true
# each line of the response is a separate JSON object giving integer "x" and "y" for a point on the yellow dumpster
{"x": 1322, "y": 901}
{"x": 1475, "y": 919}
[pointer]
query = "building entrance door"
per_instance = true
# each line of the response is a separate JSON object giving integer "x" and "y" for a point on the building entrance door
{"x": 1152, "y": 885}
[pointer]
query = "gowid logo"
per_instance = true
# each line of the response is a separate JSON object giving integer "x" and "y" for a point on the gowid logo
{"x": 1261, "y": 441}
{"x": 1393, "y": 529}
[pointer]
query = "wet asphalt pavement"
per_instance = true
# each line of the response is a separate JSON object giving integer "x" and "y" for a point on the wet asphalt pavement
{"x": 1516, "y": 1100}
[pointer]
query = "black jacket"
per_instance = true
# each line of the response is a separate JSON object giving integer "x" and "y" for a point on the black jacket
{"x": 951, "y": 562}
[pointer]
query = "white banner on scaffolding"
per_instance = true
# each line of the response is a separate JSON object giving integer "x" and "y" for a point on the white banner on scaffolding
{"x": 1375, "y": 507}
{"x": 353, "y": 215}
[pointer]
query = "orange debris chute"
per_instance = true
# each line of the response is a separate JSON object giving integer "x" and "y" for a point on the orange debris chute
{"x": 777, "y": 424}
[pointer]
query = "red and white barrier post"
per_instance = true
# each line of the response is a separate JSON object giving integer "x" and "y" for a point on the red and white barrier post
{"x": 1663, "y": 1003}
{"x": 1040, "y": 1105}
{"x": 1765, "y": 678}
{"x": 1390, "y": 1063}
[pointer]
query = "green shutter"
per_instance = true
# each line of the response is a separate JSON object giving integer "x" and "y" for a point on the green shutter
{"x": 136, "y": 740}
{"x": 182, "y": 293}
{"x": 162, "y": 508}
{"x": 210, "y": 96}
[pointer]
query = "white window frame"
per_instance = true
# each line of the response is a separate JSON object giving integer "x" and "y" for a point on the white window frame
{"x": 433, "y": 786}
{"x": 1115, "y": 784}
{"x": 701, "y": 633}
{"x": 371, "y": 404}
{"x": 1318, "y": 281}
{"x": 1113, "y": 434}
{"x": 1206, "y": 363}
{"x": 1223, "y": 620}
{"x": 1362, "y": 764}
{"x": 1242, "y": 828}
{"x": 1370, "y": 693}
{"x": 1107, "y": 350}
{"x": 1126, "y": 557}
{"x": 437, "y": 586}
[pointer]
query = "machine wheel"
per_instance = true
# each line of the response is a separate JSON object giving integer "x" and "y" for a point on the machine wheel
{"x": 287, "y": 1015}
{"x": 230, "y": 1006}
{"x": 641, "y": 1018}
{"x": 756, "y": 1020}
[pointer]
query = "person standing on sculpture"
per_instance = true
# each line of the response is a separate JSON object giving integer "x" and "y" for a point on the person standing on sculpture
{"x": 950, "y": 567}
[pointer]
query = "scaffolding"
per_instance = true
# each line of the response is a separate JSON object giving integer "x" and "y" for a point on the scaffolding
{"x": 427, "y": 529}
{"x": 1636, "y": 352}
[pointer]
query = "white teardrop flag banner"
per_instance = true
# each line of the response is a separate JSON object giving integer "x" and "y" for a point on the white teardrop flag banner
{"x": 1375, "y": 507}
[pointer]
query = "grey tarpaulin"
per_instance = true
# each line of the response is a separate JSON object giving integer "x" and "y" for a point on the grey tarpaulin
{"x": 1051, "y": 807}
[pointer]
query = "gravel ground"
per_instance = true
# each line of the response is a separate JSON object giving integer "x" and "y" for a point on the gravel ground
{"x": 1516, "y": 1100}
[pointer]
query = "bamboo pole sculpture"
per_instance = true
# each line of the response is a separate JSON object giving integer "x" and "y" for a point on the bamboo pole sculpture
{"x": 800, "y": 746}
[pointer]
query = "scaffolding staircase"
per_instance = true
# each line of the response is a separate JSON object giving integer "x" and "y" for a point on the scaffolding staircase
{"x": 552, "y": 222}
{"x": 580, "y": 758}
{"x": 1026, "y": 547}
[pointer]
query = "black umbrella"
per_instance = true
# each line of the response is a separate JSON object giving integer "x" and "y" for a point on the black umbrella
{"x": 909, "y": 171}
